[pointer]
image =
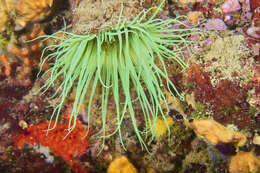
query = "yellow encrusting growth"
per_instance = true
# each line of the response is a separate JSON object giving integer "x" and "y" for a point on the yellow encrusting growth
{"x": 32, "y": 11}
{"x": 121, "y": 165}
{"x": 20, "y": 12}
{"x": 4, "y": 14}
{"x": 244, "y": 162}
{"x": 215, "y": 133}
{"x": 161, "y": 128}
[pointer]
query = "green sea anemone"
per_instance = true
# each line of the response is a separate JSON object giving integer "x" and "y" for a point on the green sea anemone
{"x": 123, "y": 57}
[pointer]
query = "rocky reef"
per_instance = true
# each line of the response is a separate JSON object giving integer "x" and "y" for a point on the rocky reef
{"x": 215, "y": 128}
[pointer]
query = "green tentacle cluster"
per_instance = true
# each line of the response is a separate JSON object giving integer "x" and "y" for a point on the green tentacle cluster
{"x": 124, "y": 57}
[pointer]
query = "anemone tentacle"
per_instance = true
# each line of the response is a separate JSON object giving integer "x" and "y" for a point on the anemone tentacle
{"x": 125, "y": 56}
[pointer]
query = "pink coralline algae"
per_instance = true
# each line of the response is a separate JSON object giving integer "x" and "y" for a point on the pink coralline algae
{"x": 216, "y": 24}
{"x": 231, "y": 6}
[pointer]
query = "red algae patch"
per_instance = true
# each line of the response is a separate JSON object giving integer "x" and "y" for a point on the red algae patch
{"x": 68, "y": 148}
{"x": 227, "y": 100}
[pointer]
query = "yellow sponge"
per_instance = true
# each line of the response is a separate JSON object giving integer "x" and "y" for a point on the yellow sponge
{"x": 121, "y": 165}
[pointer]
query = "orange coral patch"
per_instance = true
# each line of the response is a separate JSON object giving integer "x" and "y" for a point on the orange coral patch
{"x": 68, "y": 148}
{"x": 6, "y": 64}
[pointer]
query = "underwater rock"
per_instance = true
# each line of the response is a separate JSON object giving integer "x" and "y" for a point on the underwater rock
{"x": 99, "y": 16}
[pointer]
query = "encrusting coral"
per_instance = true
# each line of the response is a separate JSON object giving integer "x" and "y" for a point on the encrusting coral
{"x": 30, "y": 51}
{"x": 215, "y": 133}
{"x": 32, "y": 11}
{"x": 119, "y": 57}
{"x": 121, "y": 165}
